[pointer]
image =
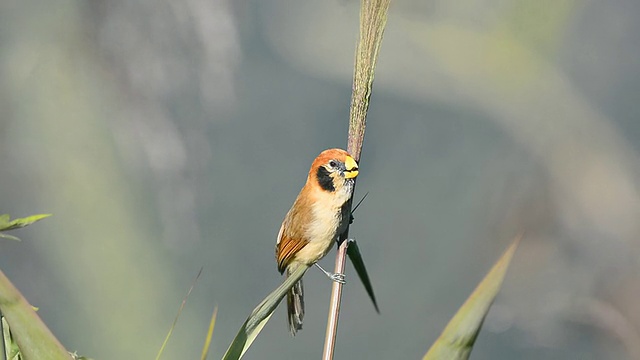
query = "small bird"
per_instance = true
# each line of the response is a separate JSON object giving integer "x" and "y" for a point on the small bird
{"x": 318, "y": 216}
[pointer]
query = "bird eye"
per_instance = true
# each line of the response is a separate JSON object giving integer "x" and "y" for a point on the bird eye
{"x": 333, "y": 164}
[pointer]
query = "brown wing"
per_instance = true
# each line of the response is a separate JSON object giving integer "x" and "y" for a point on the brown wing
{"x": 286, "y": 248}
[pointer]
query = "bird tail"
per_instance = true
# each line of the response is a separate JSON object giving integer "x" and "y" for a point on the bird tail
{"x": 295, "y": 306}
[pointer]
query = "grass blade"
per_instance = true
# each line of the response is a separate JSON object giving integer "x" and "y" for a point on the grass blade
{"x": 207, "y": 340}
{"x": 28, "y": 331}
{"x": 175, "y": 321}
{"x": 260, "y": 316}
{"x": 356, "y": 259}
{"x": 458, "y": 338}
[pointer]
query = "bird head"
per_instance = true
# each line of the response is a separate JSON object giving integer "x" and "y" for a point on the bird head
{"x": 334, "y": 169}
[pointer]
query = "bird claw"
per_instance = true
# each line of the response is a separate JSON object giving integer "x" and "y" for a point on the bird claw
{"x": 339, "y": 278}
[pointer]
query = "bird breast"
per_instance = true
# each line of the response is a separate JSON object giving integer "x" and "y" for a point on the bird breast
{"x": 326, "y": 225}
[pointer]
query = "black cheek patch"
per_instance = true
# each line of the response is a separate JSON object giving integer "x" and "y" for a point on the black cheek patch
{"x": 325, "y": 180}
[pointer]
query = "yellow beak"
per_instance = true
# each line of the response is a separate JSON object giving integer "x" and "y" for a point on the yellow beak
{"x": 351, "y": 168}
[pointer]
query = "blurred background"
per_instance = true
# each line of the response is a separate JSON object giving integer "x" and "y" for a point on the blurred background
{"x": 167, "y": 136}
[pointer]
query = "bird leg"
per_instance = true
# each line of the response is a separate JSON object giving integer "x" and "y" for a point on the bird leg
{"x": 337, "y": 277}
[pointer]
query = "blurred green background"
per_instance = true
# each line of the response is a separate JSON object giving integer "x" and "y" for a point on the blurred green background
{"x": 166, "y": 136}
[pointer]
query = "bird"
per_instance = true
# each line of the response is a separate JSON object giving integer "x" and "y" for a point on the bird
{"x": 318, "y": 216}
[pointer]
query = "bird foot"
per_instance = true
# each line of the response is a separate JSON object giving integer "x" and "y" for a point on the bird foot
{"x": 337, "y": 277}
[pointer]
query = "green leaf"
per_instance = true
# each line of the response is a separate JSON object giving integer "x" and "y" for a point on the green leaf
{"x": 260, "y": 316}
{"x": 356, "y": 259}
{"x": 7, "y": 224}
{"x": 457, "y": 339}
